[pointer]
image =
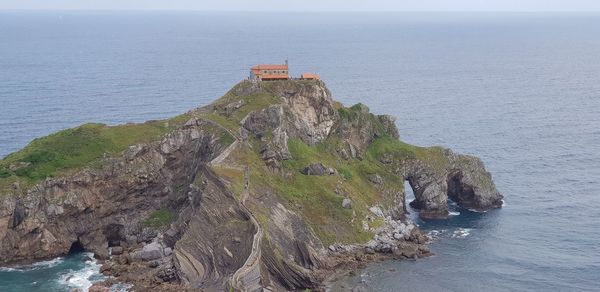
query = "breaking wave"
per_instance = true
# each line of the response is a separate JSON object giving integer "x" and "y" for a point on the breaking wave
{"x": 35, "y": 266}
{"x": 461, "y": 232}
{"x": 82, "y": 279}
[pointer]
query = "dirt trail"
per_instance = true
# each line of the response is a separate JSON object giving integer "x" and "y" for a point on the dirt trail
{"x": 247, "y": 277}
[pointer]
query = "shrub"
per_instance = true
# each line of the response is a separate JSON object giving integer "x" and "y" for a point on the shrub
{"x": 4, "y": 173}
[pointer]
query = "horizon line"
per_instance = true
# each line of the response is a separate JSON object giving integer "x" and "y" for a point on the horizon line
{"x": 288, "y": 11}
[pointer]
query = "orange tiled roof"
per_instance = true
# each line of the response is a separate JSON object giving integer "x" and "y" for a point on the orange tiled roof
{"x": 310, "y": 76}
{"x": 270, "y": 67}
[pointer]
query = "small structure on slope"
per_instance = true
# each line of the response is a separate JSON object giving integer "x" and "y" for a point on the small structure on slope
{"x": 269, "y": 72}
{"x": 310, "y": 76}
{"x": 273, "y": 72}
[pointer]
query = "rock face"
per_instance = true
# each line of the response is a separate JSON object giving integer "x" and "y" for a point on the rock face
{"x": 245, "y": 195}
{"x": 311, "y": 110}
{"x": 463, "y": 180}
{"x": 359, "y": 128}
{"x": 94, "y": 207}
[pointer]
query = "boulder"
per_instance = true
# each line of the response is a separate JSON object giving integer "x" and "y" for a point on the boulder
{"x": 149, "y": 252}
{"x": 347, "y": 203}
{"x": 168, "y": 251}
{"x": 117, "y": 250}
{"x": 315, "y": 169}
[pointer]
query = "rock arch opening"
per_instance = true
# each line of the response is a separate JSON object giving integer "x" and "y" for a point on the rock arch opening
{"x": 459, "y": 192}
{"x": 409, "y": 197}
{"x": 434, "y": 198}
{"x": 428, "y": 198}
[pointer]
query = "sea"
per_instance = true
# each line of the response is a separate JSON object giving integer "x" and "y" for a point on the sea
{"x": 519, "y": 90}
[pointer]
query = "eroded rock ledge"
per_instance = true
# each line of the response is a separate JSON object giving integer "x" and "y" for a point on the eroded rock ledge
{"x": 272, "y": 186}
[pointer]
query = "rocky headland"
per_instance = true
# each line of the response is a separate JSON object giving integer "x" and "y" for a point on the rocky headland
{"x": 273, "y": 186}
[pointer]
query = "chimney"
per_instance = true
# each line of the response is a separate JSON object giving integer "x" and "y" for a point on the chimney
{"x": 286, "y": 62}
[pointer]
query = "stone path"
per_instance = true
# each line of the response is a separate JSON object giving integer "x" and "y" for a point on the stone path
{"x": 247, "y": 278}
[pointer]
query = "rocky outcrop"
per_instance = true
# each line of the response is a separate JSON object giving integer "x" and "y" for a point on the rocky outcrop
{"x": 270, "y": 121}
{"x": 307, "y": 113}
{"x": 224, "y": 203}
{"x": 310, "y": 108}
{"x": 96, "y": 206}
{"x": 359, "y": 128}
{"x": 207, "y": 254}
{"x": 463, "y": 179}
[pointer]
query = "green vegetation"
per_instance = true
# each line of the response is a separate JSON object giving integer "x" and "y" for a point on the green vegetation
{"x": 72, "y": 149}
{"x": 253, "y": 102}
{"x": 345, "y": 173}
{"x": 232, "y": 175}
{"x": 358, "y": 115}
{"x": 351, "y": 113}
{"x": 4, "y": 173}
{"x": 391, "y": 146}
{"x": 401, "y": 151}
{"x": 319, "y": 198}
{"x": 315, "y": 197}
{"x": 226, "y": 138}
{"x": 159, "y": 218}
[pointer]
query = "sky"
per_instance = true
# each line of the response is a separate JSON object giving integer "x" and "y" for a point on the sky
{"x": 307, "y": 5}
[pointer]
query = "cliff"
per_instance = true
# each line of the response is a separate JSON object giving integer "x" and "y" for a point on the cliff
{"x": 273, "y": 185}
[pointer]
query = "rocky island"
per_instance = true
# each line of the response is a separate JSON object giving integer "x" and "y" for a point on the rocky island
{"x": 274, "y": 185}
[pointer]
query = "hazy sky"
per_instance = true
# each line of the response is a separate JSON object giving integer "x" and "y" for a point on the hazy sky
{"x": 312, "y": 5}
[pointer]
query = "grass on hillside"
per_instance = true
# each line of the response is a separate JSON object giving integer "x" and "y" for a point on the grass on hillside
{"x": 315, "y": 196}
{"x": 77, "y": 147}
{"x": 253, "y": 102}
{"x": 400, "y": 151}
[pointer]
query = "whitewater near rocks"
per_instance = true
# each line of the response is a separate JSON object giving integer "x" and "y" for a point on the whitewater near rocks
{"x": 219, "y": 198}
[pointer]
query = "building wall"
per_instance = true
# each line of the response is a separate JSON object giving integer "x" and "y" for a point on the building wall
{"x": 255, "y": 76}
{"x": 277, "y": 72}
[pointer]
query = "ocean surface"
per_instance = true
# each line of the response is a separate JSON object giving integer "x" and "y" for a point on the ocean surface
{"x": 519, "y": 90}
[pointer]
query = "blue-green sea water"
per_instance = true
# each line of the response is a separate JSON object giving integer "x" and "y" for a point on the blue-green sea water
{"x": 76, "y": 271}
{"x": 519, "y": 90}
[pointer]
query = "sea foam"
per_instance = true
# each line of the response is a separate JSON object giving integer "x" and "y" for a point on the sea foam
{"x": 35, "y": 266}
{"x": 461, "y": 232}
{"x": 84, "y": 278}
